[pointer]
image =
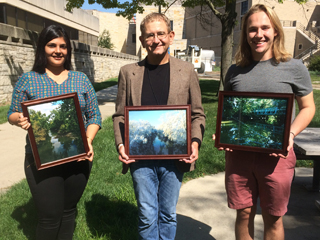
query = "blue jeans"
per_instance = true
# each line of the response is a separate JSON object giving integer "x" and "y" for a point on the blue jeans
{"x": 157, "y": 185}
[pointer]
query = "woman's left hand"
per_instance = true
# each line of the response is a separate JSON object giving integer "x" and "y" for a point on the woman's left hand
{"x": 91, "y": 133}
{"x": 90, "y": 153}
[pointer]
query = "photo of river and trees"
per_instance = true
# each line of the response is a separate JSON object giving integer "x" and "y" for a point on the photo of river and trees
{"x": 157, "y": 132}
{"x": 56, "y": 130}
{"x": 254, "y": 122}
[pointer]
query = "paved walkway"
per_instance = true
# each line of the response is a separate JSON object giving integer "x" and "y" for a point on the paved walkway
{"x": 203, "y": 213}
{"x": 202, "y": 209}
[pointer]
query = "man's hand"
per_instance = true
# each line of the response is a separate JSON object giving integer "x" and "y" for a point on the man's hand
{"x": 123, "y": 157}
{"x": 290, "y": 146}
{"x": 221, "y": 148}
{"x": 194, "y": 153}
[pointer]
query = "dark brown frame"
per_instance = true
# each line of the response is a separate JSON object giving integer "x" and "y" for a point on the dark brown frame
{"x": 187, "y": 108}
{"x": 34, "y": 146}
{"x": 254, "y": 95}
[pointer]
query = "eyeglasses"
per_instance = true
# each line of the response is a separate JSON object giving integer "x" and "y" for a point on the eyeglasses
{"x": 160, "y": 36}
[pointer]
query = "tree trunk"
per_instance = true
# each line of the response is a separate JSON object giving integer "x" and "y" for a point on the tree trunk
{"x": 228, "y": 22}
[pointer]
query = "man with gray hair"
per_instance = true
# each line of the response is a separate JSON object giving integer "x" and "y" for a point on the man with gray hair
{"x": 158, "y": 80}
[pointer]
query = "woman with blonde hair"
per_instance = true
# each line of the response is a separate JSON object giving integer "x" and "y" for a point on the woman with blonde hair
{"x": 263, "y": 65}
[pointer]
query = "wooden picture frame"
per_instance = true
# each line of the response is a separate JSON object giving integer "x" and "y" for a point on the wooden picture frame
{"x": 57, "y": 133}
{"x": 251, "y": 121}
{"x": 158, "y": 132}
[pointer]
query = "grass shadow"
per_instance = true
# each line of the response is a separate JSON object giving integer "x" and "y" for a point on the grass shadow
{"x": 189, "y": 228}
{"x": 26, "y": 216}
{"x": 103, "y": 85}
{"x": 209, "y": 89}
{"x": 111, "y": 218}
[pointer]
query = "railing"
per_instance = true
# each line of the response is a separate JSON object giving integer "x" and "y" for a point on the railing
{"x": 270, "y": 111}
{"x": 313, "y": 37}
{"x": 310, "y": 51}
{"x": 310, "y": 34}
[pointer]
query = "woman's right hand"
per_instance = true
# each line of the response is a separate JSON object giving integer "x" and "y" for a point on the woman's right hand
{"x": 23, "y": 122}
{"x": 123, "y": 157}
{"x": 19, "y": 120}
{"x": 221, "y": 148}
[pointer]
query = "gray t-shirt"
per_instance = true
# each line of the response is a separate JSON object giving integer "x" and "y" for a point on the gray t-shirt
{"x": 268, "y": 76}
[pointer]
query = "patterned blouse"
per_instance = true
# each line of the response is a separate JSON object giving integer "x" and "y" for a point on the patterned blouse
{"x": 32, "y": 85}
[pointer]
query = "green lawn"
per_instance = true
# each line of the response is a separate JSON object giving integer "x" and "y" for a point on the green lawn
{"x": 3, "y": 113}
{"x": 107, "y": 209}
{"x": 102, "y": 85}
{"x": 315, "y": 77}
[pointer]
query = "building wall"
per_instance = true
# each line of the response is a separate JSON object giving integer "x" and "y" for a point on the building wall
{"x": 208, "y": 38}
{"x": 118, "y": 27}
{"x": 290, "y": 39}
{"x": 290, "y": 11}
{"x": 302, "y": 40}
{"x": 17, "y": 57}
{"x": 55, "y": 10}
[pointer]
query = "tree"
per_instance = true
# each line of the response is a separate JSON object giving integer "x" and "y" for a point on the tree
{"x": 314, "y": 63}
{"x": 64, "y": 119}
{"x": 39, "y": 125}
{"x": 224, "y": 10}
{"x": 104, "y": 40}
{"x": 227, "y": 19}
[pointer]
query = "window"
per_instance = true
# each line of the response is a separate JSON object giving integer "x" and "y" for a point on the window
{"x": 244, "y": 7}
{"x": 11, "y": 15}
{"x": 21, "y": 18}
{"x": 300, "y": 46}
{"x": 35, "y": 22}
{"x": 3, "y": 18}
{"x": 171, "y": 25}
{"x": 134, "y": 38}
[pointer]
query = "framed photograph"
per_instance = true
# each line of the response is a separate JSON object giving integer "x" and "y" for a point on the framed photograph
{"x": 57, "y": 134}
{"x": 251, "y": 121}
{"x": 158, "y": 132}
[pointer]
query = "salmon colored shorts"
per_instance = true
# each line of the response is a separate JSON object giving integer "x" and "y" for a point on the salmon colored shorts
{"x": 250, "y": 175}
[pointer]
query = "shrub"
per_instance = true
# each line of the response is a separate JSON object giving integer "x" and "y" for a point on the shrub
{"x": 314, "y": 64}
{"x": 104, "y": 40}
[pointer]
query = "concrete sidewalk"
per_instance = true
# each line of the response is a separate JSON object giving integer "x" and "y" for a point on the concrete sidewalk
{"x": 203, "y": 213}
{"x": 202, "y": 208}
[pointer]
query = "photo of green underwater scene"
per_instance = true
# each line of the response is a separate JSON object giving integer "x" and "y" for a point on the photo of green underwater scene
{"x": 158, "y": 132}
{"x": 255, "y": 122}
{"x": 56, "y": 130}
